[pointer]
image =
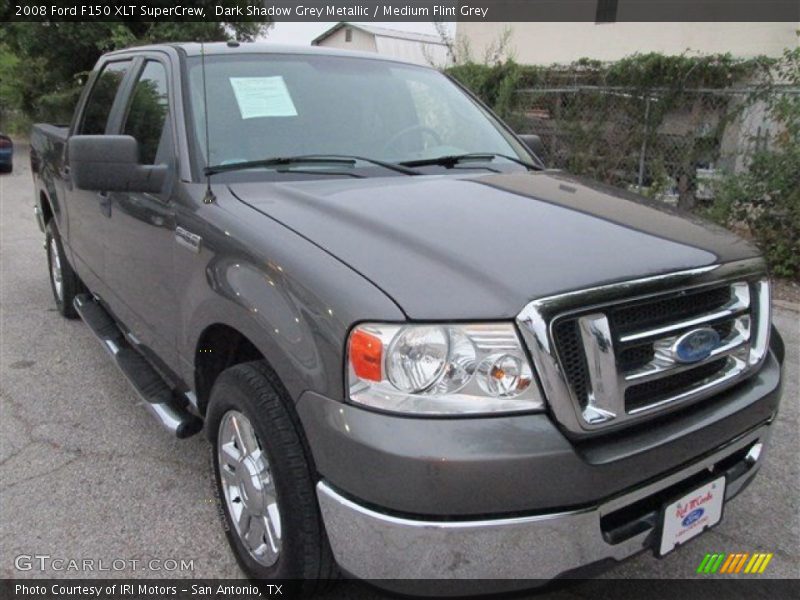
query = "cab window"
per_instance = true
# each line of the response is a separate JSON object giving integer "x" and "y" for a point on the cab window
{"x": 101, "y": 98}
{"x": 147, "y": 115}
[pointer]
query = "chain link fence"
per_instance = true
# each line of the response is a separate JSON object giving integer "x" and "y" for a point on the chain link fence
{"x": 667, "y": 144}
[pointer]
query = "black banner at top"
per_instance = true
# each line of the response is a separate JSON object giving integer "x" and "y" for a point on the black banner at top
{"x": 404, "y": 10}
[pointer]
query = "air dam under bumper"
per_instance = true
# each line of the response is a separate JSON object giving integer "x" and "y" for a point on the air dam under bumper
{"x": 376, "y": 546}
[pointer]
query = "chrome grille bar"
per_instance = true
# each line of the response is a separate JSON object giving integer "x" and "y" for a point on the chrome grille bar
{"x": 606, "y": 397}
{"x": 740, "y": 302}
{"x": 600, "y": 403}
{"x": 758, "y": 349}
{"x": 606, "y": 400}
{"x": 664, "y": 363}
{"x": 728, "y": 374}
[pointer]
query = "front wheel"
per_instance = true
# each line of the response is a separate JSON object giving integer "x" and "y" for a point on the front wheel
{"x": 63, "y": 280}
{"x": 265, "y": 480}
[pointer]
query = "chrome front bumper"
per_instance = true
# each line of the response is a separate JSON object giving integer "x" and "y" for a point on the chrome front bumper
{"x": 372, "y": 545}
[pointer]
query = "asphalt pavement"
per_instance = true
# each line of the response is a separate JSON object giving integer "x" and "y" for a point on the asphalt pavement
{"x": 85, "y": 473}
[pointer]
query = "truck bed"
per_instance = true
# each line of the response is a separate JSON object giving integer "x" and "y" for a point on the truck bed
{"x": 47, "y": 145}
{"x": 55, "y": 132}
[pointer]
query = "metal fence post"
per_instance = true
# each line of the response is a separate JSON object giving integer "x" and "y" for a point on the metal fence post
{"x": 643, "y": 151}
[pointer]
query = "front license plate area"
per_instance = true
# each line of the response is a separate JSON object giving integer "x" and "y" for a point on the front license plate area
{"x": 691, "y": 514}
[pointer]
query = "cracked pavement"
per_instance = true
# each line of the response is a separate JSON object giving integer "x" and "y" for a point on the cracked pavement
{"x": 86, "y": 473}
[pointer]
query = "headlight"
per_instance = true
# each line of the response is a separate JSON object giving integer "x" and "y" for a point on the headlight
{"x": 441, "y": 369}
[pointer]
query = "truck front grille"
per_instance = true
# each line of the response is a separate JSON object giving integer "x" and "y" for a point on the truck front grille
{"x": 625, "y": 359}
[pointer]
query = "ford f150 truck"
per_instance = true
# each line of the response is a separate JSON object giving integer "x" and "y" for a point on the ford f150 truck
{"x": 417, "y": 352}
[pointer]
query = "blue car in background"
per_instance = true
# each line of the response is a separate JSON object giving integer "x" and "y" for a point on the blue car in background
{"x": 6, "y": 154}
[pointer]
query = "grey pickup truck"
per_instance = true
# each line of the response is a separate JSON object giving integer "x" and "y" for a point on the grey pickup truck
{"x": 418, "y": 354}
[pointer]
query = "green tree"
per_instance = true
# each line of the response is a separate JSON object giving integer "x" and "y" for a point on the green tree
{"x": 766, "y": 197}
{"x": 495, "y": 80}
{"x": 9, "y": 96}
{"x": 43, "y": 66}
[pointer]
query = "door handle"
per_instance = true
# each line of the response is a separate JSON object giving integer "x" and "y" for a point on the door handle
{"x": 105, "y": 203}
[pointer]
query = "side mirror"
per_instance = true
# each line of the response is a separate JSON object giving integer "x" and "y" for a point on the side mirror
{"x": 534, "y": 144}
{"x": 110, "y": 163}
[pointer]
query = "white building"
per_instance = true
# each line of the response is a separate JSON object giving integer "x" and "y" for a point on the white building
{"x": 420, "y": 48}
{"x": 543, "y": 43}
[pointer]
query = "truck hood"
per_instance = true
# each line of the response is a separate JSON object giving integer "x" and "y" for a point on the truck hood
{"x": 481, "y": 247}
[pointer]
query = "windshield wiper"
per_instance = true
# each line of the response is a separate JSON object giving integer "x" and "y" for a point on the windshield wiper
{"x": 306, "y": 159}
{"x": 451, "y": 160}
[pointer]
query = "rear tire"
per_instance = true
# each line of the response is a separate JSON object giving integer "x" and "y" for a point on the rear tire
{"x": 63, "y": 280}
{"x": 266, "y": 481}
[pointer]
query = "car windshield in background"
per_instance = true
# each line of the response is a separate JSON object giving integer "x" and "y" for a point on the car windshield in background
{"x": 267, "y": 106}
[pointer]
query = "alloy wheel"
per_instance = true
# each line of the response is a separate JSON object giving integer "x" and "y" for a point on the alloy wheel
{"x": 248, "y": 488}
{"x": 55, "y": 270}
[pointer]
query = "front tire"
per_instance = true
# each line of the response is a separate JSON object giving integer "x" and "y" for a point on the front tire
{"x": 63, "y": 280}
{"x": 265, "y": 480}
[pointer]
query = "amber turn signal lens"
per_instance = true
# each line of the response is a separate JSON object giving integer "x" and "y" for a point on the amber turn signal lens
{"x": 366, "y": 355}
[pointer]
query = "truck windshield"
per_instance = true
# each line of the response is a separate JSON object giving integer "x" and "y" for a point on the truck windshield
{"x": 263, "y": 106}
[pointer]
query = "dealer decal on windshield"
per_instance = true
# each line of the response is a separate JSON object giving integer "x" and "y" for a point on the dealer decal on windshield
{"x": 263, "y": 97}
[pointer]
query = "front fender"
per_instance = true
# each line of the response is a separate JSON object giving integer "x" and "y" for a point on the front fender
{"x": 295, "y": 302}
{"x": 274, "y": 326}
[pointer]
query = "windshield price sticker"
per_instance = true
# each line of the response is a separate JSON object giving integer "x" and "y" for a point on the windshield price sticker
{"x": 263, "y": 97}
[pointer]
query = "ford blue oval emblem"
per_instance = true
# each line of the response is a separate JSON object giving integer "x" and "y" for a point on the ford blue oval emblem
{"x": 695, "y": 345}
{"x": 692, "y": 517}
